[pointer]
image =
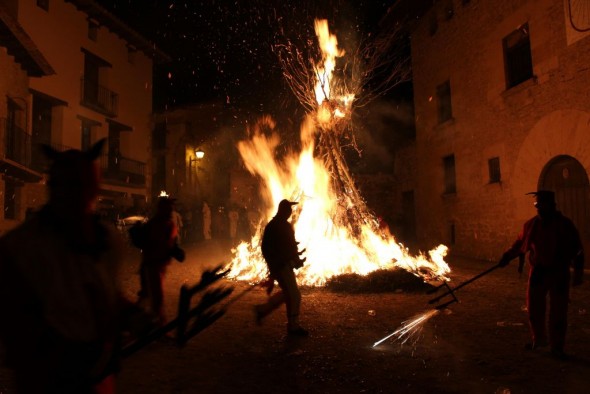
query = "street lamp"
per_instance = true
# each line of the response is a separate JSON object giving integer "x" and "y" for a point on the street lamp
{"x": 199, "y": 154}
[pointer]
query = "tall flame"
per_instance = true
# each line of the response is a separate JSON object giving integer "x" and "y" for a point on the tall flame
{"x": 340, "y": 236}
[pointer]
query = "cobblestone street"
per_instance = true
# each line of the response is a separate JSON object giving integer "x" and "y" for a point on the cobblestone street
{"x": 475, "y": 346}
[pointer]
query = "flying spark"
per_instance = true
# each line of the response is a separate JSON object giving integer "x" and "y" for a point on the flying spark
{"x": 409, "y": 328}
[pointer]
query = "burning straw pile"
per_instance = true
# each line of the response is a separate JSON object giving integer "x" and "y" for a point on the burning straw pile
{"x": 380, "y": 281}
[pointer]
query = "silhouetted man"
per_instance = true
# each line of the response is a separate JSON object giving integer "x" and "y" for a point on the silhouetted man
{"x": 280, "y": 251}
{"x": 553, "y": 244}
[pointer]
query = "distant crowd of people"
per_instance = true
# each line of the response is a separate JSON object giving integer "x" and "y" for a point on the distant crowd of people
{"x": 200, "y": 223}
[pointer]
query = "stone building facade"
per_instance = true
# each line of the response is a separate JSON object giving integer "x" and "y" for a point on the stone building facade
{"x": 19, "y": 60}
{"x": 100, "y": 87}
{"x": 502, "y": 107}
{"x": 216, "y": 175}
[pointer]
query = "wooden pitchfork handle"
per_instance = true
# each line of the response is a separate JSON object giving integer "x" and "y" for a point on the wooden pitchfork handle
{"x": 452, "y": 290}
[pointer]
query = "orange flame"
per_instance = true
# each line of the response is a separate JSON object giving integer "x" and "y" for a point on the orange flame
{"x": 331, "y": 248}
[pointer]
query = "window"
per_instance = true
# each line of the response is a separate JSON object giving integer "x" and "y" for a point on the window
{"x": 92, "y": 30}
{"x": 518, "y": 61}
{"x": 449, "y": 168}
{"x": 10, "y": 199}
{"x": 443, "y": 95}
{"x": 43, "y": 4}
{"x": 86, "y": 135}
{"x": 87, "y": 127}
{"x": 16, "y": 136}
{"x": 452, "y": 234}
{"x": 94, "y": 93}
{"x": 494, "y": 169}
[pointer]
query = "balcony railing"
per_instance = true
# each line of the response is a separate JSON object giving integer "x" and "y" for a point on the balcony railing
{"x": 98, "y": 98}
{"x": 17, "y": 143}
{"x": 122, "y": 170}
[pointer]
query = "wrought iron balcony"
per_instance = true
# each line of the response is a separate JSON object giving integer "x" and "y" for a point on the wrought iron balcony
{"x": 122, "y": 170}
{"x": 98, "y": 98}
{"x": 15, "y": 152}
{"x": 17, "y": 144}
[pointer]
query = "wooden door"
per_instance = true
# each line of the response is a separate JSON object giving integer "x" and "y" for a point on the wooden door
{"x": 568, "y": 179}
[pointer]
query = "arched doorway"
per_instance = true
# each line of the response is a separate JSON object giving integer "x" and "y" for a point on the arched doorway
{"x": 568, "y": 179}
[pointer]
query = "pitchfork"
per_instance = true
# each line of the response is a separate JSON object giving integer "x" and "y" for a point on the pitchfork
{"x": 451, "y": 290}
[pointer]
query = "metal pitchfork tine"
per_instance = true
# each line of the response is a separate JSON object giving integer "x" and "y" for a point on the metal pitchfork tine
{"x": 451, "y": 290}
{"x": 203, "y": 314}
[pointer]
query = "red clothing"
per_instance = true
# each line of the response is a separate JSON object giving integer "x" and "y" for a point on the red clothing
{"x": 161, "y": 233}
{"x": 553, "y": 244}
{"x": 161, "y": 236}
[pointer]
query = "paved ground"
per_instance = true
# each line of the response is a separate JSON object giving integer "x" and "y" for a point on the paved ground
{"x": 475, "y": 346}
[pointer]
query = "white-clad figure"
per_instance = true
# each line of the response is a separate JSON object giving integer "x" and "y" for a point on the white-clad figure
{"x": 206, "y": 221}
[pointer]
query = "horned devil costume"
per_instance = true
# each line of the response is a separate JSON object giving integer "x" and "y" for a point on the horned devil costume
{"x": 59, "y": 299}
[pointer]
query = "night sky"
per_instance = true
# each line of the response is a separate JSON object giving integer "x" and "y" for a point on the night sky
{"x": 225, "y": 51}
{"x": 222, "y": 49}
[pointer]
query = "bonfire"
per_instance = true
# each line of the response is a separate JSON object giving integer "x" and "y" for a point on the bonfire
{"x": 332, "y": 221}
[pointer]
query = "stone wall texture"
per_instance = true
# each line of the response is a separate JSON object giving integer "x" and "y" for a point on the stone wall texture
{"x": 526, "y": 126}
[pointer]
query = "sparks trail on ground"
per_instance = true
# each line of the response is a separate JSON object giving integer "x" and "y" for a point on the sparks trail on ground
{"x": 409, "y": 329}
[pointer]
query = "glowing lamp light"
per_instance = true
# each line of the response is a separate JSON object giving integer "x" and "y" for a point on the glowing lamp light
{"x": 199, "y": 154}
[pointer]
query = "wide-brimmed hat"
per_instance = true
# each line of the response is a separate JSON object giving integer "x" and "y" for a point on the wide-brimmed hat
{"x": 544, "y": 196}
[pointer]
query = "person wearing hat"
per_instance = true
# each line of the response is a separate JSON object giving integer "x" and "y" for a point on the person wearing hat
{"x": 281, "y": 253}
{"x": 160, "y": 247}
{"x": 553, "y": 244}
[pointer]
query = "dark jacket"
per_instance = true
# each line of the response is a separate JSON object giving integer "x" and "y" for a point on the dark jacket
{"x": 279, "y": 246}
{"x": 161, "y": 233}
{"x": 552, "y": 243}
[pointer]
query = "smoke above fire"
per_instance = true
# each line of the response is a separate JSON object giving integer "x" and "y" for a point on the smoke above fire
{"x": 331, "y": 221}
